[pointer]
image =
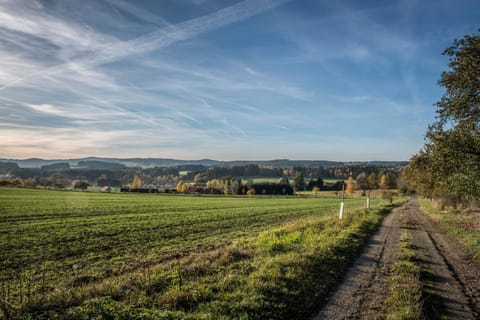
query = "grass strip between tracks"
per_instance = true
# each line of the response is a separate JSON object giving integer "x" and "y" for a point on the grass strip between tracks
{"x": 405, "y": 296}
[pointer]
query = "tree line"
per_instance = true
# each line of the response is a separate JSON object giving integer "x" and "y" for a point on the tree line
{"x": 447, "y": 168}
{"x": 62, "y": 176}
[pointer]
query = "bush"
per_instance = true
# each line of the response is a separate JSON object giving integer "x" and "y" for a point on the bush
{"x": 267, "y": 188}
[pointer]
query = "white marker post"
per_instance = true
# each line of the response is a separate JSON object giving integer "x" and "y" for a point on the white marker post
{"x": 368, "y": 200}
{"x": 342, "y": 205}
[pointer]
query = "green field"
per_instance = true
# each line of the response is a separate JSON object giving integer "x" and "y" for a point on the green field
{"x": 77, "y": 254}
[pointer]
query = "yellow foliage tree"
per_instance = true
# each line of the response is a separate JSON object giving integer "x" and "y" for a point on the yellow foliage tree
{"x": 350, "y": 186}
{"x": 372, "y": 181}
{"x": 383, "y": 181}
{"x": 137, "y": 183}
{"x": 388, "y": 181}
{"x": 182, "y": 187}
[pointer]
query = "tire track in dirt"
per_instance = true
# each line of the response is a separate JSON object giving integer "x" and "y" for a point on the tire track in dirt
{"x": 451, "y": 284}
{"x": 363, "y": 289}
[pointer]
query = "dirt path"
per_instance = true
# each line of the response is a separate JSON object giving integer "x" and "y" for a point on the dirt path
{"x": 452, "y": 284}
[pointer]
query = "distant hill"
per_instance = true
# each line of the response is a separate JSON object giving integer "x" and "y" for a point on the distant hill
{"x": 100, "y": 165}
{"x": 119, "y": 163}
{"x": 8, "y": 165}
{"x": 60, "y": 166}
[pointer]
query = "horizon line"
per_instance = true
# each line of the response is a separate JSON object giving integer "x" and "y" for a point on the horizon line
{"x": 198, "y": 159}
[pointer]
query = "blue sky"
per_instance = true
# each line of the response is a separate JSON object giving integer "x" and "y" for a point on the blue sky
{"x": 223, "y": 79}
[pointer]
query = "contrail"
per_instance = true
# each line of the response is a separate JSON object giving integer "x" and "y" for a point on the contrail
{"x": 161, "y": 38}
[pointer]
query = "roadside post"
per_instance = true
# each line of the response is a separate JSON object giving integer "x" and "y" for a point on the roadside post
{"x": 368, "y": 200}
{"x": 342, "y": 205}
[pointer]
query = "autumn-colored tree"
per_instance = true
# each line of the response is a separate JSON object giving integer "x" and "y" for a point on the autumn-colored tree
{"x": 383, "y": 181}
{"x": 199, "y": 179}
{"x": 32, "y": 182}
{"x": 388, "y": 181}
{"x": 368, "y": 184}
{"x": 179, "y": 187}
{"x": 315, "y": 190}
{"x": 137, "y": 183}
{"x": 403, "y": 183}
{"x": 350, "y": 186}
{"x": 182, "y": 187}
{"x": 362, "y": 182}
{"x": 11, "y": 182}
{"x": 251, "y": 192}
{"x": 372, "y": 181}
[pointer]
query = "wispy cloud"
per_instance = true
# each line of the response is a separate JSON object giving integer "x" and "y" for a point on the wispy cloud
{"x": 48, "y": 109}
{"x": 108, "y": 51}
{"x": 140, "y": 13}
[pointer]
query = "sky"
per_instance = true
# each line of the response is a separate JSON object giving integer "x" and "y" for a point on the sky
{"x": 223, "y": 79}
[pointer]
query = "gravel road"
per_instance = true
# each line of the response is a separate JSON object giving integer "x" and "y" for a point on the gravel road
{"x": 451, "y": 285}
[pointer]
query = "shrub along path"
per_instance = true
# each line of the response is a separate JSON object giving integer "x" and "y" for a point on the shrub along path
{"x": 450, "y": 283}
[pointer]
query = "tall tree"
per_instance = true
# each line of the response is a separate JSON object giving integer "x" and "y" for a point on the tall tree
{"x": 181, "y": 187}
{"x": 448, "y": 166}
{"x": 383, "y": 181}
{"x": 371, "y": 184}
{"x": 350, "y": 186}
{"x": 388, "y": 181}
{"x": 362, "y": 182}
{"x": 137, "y": 183}
{"x": 299, "y": 182}
{"x": 372, "y": 181}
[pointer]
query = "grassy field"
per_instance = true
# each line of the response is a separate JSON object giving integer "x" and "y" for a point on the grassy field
{"x": 78, "y": 255}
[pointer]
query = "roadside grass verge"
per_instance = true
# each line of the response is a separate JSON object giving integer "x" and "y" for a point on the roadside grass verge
{"x": 405, "y": 296}
{"x": 464, "y": 226}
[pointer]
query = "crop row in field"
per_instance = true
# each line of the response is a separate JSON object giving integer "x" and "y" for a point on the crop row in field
{"x": 159, "y": 252}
